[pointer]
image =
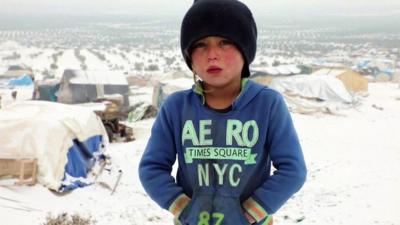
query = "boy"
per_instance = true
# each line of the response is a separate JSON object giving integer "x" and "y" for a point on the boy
{"x": 226, "y": 132}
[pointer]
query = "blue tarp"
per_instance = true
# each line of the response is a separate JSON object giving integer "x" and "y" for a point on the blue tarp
{"x": 363, "y": 64}
{"x": 24, "y": 80}
{"x": 388, "y": 71}
{"x": 82, "y": 156}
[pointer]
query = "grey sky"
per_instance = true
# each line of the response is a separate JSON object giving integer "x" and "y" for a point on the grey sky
{"x": 179, "y": 6}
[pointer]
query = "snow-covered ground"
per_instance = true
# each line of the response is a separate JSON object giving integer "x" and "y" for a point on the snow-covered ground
{"x": 353, "y": 163}
{"x": 54, "y": 61}
{"x": 353, "y": 175}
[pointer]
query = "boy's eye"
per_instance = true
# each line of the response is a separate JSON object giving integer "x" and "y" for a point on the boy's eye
{"x": 199, "y": 45}
{"x": 225, "y": 42}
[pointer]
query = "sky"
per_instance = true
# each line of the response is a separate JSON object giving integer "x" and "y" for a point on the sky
{"x": 178, "y": 7}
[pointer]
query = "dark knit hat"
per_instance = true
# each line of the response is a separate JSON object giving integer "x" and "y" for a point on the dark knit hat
{"x": 229, "y": 19}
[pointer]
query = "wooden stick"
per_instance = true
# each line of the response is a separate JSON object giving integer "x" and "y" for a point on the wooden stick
{"x": 117, "y": 182}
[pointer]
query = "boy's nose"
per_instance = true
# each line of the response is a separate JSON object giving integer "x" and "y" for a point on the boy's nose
{"x": 212, "y": 53}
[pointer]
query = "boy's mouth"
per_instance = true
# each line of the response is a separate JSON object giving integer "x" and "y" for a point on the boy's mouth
{"x": 214, "y": 69}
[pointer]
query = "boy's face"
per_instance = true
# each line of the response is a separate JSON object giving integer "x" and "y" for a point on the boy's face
{"x": 217, "y": 61}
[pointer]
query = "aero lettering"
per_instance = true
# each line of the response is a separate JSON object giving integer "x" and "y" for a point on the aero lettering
{"x": 235, "y": 130}
{"x": 189, "y": 133}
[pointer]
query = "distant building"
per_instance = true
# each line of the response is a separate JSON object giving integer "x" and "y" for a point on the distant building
{"x": 79, "y": 86}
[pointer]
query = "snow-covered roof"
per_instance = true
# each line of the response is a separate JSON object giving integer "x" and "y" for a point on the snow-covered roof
{"x": 95, "y": 77}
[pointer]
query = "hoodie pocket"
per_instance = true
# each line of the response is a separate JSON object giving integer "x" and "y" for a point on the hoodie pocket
{"x": 198, "y": 204}
{"x": 208, "y": 209}
{"x": 232, "y": 210}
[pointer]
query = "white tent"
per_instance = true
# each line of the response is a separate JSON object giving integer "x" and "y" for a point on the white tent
{"x": 57, "y": 135}
{"x": 325, "y": 88}
{"x": 308, "y": 94}
{"x": 78, "y": 86}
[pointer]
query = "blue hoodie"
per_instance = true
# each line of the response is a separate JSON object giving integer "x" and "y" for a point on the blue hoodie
{"x": 224, "y": 159}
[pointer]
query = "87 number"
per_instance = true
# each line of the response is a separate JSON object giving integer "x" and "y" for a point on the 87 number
{"x": 204, "y": 218}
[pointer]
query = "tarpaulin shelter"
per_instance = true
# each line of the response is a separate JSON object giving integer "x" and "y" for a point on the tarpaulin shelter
{"x": 352, "y": 80}
{"x": 66, "y": 140}
{"x": 47, "y": 90}
{"x": 318, "y": 87}
{"x": 78, "y": 86}
{"x": 309, "y": 94}
{"x": 24, "y": 80}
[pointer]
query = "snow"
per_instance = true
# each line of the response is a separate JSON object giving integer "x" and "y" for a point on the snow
{"x": 98, "y": 77}
{"x": 40, "y": 62}
{"x": 353, "y": 163}
{"x": 93, "y": 62}
{"x": 10, "y": 45}
{"x": 67, "y": 61}
{"x": 138, "y": 60}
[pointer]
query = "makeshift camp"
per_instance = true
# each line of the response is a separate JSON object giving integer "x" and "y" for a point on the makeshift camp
{"x": 86, "y": 87}
{"x": 78, "y": 86}
{"x": 353, "y": 81}
{"x": 67, "y": 141}
{"x": 309, "y": 94}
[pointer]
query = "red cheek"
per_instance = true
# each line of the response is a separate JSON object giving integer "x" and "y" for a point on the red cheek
{"x": 232, "y": 58}
{"x": 198, "y": 56}
{"x": 196, "y": 60}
